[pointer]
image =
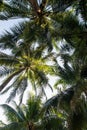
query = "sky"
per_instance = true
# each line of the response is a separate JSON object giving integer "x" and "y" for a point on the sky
{"x": 6, "y": 25}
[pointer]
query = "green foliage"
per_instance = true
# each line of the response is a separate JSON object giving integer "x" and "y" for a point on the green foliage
{"x": 25, "y": 65}
{"x": 31, "y": 115}
{"x": 50, "y": 30}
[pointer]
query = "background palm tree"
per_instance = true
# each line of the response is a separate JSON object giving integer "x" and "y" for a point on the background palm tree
{"x": 25, "y": 117}
{"x": 72, "y": 75}
{"x": 31, "y": 117}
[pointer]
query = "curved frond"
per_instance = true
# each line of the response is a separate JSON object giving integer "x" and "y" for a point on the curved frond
{"x": 3, "y": 85}
{"x": 10, "y": 39}
{"x": 57, "y": 100}
{"x": 13, "y": 9}
{"x": 6, "y": 59}
{"x": 11, "y": 114}
{"x": 13, "y": 125}
{"x": 5, "y": 71}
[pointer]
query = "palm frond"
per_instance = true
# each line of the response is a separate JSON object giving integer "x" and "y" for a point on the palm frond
{"x": 53, "y": 122}
{"x": 5, "y": 71}
{"x": 19, "y": 110}
{"x": 3, "y": 85}
{"x": 42, "y": 77}
{"x": 13, "y": 9}
{"x": 10, "y": 39}
{"x": 34, "y": 104}
{"x": 56, "y": 101}
{"x": 13, "y": 125}
{"x": 22, "y": 89}
{"x": 67, "y": 73}
{"x": 6, "y": 59}
{"x": 60, "y": 6}
{"x": 12, "y": 94}
{"x": 14, "y": 85}
{"x": 2, "y": 123}
{"x": 19, "y": 86}
{"x": 82, "y": 9}
{"x": 11, "y": 114}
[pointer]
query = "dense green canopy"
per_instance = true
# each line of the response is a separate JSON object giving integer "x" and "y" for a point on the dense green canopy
{"x": 51, "y": 31}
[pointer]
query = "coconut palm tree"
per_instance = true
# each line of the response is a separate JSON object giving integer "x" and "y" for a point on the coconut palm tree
{"x": 27, "y": 62}
{"x": 41, "y": 19}
{"x": 36, "y": 15}
{"x": 30, "y": 117}
{"x": 25, "y": 117}
{"x": 23, "y": 40}
{"x": 75, "y": 113}
{"x": 73, "y": 76}
{"x": 42, "y": 24}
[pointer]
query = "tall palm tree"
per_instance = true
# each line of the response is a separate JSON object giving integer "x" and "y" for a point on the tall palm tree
{"x": 26, "y": 63}
{"x": 22, "y": 41}
{"x": 36, "y": 15}
{"x": 40, "y": 18}
{"x": 73, "y": 74}
{"x": 30, "y": 117}
{"x": 43, "y": 21}
{"x": 74, "y": 113}
{"x": 25, "y": 117}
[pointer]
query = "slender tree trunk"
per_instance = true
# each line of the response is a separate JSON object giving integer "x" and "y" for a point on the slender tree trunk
{"x": 43, "y": 4}
{"x": 31, "y": 126}
{"x": 35, "y": 6}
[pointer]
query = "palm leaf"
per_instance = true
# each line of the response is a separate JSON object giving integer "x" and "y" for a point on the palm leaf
{"x": 11, "y": 114}
{"x": 13, "y": 125}
{"x": 19, "y": 86}
{"x": 2, "y": 86}
{"x": 34, "y": 105}
{"x": 53, "y": 122}
{"x": 55, "y": 101}
{"x": 10, "y": 39}
{"x": 5, "y": 71}
{"x": 22, "y": 89}
{"x": 19, "y": 110}
{"x": 6, "y": 59}
{"x": 11, "y": 9}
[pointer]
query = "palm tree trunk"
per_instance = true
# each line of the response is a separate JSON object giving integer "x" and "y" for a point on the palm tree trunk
{"x": 43, "y": 4}
{"x": 35, "y": 6}
{"x": 31, "y": 126}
